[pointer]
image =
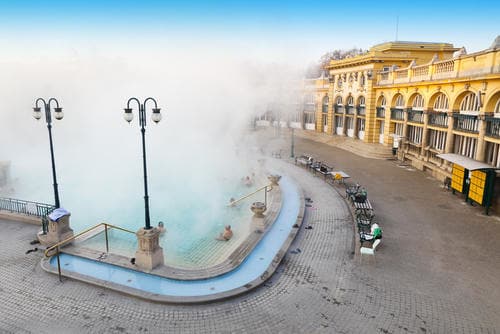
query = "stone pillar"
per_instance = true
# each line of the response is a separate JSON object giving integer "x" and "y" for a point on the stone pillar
{"x": 344, "y": 118}
{"x": 423, "y": 151}
{"x": 331, "y": 115}
{"x": 449, "y": 134}
{"x": 57, "y": 231}
{"x": 481, "y": 145}
{"x": 274, "y": 180}
{"x": 405, "y": 124}
{"x": 149, "y": 254}
{"x": 355, "y": 124}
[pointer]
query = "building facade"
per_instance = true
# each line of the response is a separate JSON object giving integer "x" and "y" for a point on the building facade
{"x": 429, "y": 98}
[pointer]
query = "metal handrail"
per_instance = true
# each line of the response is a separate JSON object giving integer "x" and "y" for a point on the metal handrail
{"x": 85, "y": 232}
{"x": 253, "y": 193}
{"x": 56, "y": 246}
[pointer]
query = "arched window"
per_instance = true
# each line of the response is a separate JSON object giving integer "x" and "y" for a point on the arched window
{"x": 338, "y": 101}
{"x": 418, "y": 103}
{"x": 325, "y": 104}
{"x": 383, "y": 102}
{"x": 400, "y": 101}
{"x": 339, "y": 81}
{"x": 361, "y": 101}
{"x": 469, "y": 103}
{"x": 441, "y": 103}
{"x": 350, "y": 101}
{"x": 497, "y": 107}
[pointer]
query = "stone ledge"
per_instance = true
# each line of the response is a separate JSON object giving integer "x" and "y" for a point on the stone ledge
{"x": 19, "y": 217}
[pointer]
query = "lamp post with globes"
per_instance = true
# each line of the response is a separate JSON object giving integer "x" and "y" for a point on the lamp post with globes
{"x": 156, "y": 117}
{"x": 58, "y": 114}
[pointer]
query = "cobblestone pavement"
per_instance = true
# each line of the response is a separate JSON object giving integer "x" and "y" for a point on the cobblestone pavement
{"x": 433, "y": 272}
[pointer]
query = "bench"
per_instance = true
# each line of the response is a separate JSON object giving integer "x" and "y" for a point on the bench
{"x": 304, "y": 160}
{"x": 364, "y": 222}
{"x": 369, "y": 251}
{"x": 350, "y": 191}
{"x": 363, "y": 208}
{"x": 323, "y": 169}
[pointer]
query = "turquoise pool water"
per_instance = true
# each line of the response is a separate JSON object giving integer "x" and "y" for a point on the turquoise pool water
{"x": 194, "y": 212}
{"x": 189, "y": 241}
{"x": 251, "y": 268}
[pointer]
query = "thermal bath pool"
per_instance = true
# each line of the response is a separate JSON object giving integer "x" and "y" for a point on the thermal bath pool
{"x": 255, "y": 269}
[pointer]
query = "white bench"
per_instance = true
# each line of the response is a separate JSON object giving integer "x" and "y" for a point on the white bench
{"x": 369, "y": 251}
{"x": 304, "y": 160}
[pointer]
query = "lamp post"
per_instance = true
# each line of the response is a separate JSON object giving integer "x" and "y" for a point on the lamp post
{"x": 156, "y": 117}
{"x": 58, "y": 114}
{"x": 292, "y": 148}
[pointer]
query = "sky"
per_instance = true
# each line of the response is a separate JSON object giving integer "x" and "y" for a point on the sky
{"x": 295, "y": 31}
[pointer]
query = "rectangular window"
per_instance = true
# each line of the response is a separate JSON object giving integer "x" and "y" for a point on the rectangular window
{"x": 399, "y": 129}
{"x": 437, "y": 139}
{"x": 415, "y": 134}
{"x": 465, "y": 146}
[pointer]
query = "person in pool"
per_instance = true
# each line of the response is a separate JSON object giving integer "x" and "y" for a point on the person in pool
{"x": 161, "y": 227}
{"x": 226, "y": 235}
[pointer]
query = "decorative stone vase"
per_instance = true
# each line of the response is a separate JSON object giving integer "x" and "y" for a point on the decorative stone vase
{"x": 274, "y": 179}
{"x": 149, "y": 254}
{"x": 258, "y": 209}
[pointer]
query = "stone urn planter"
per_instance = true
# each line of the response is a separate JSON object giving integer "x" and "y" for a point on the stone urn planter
{"x": 258, "y": 209}
{"x": 274, "y": 179}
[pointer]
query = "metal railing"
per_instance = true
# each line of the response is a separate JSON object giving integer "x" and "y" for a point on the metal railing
{"x": 397, "y": 114}
{"x": 466, "y": 123}
{"x": 493, "y": 127}
{"x": 270, "y": 186}
{"x": 339, "y": 109}
{"x": 28, "y": 208}
{"x": 381, "y": 112}
{"x": 438, "y": 119}
{"x": 361, "y": 110}
{"x": 415, "y": 116}
{"x": 57, "y": 246}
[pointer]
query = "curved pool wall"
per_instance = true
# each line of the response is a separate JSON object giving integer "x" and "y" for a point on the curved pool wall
{"x": 254, "y": 270}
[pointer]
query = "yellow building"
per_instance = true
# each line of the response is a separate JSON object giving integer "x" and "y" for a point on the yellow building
{"x": 426, "y": 98}
{"x": 348, "y": 108}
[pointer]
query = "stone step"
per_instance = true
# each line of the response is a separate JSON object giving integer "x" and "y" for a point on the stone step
{"x": 356, "y": 146}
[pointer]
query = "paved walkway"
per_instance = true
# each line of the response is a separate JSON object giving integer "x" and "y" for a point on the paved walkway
{"x": 436, "y": 271}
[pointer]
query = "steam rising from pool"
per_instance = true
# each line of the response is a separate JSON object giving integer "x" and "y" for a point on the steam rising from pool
{"x": 196, "y": 155}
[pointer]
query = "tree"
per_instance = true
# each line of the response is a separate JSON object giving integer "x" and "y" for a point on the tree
{"x": 314, "y": 70}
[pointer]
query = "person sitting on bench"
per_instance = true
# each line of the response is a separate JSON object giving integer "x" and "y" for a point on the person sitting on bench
{"x": 375, "y": 233}
{"x": 360, "y": 196}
